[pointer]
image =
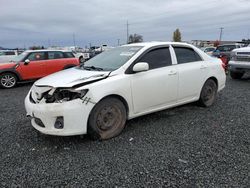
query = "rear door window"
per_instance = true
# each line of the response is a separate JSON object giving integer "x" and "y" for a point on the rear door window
{"x": 186, "y": 55}
{"x": 69, "y": 55}
{"x": 55, "y": 55}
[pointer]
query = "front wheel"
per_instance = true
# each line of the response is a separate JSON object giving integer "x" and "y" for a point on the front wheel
{"x": 107, "y": 119}
{"x": 8, "y": 80}
{"x": 208, "y": 93}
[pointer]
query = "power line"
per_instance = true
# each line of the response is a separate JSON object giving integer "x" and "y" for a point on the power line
{"x": 74, "y": 41}
{"x": 127, "y": 32}
{"x": 221, "y": 32}
{"x": 49, "y": 44}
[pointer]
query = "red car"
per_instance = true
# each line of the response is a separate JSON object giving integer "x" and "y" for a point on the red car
{"x": 31, "y": 65}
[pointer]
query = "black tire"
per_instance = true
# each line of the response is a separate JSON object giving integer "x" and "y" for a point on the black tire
{"x": 236, "y": 75}
{"x": 81, "y": 60}
{"x": 8, "y": 80}
{"x": 208, "y": 93}
{"x": 107, "y": 119}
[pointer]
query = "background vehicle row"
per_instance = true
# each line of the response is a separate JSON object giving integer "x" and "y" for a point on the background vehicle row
{"x": 31, "y": 65}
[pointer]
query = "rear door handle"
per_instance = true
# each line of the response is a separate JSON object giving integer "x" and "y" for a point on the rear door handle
{"x": 172, "y": 72}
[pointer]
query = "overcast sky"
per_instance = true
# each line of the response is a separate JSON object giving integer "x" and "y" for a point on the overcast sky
{"x": 54, "y": 22}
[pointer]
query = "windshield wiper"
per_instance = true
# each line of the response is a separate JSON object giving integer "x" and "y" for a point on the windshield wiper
{"x": 93, "y": 68}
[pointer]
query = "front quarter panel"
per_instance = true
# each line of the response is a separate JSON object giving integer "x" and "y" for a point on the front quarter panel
{"x": 114, "y": 85}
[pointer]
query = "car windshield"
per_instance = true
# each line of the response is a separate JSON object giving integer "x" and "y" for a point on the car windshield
{"x": 19, "y": 57}
{"x": 210, "y": 49}
{"x": 111, "y": 59}
{"x": 226, "y": 48}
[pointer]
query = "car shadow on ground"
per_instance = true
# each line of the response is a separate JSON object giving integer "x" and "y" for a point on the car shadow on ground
{"x": 131, "y": 125}
{"x": 18, "y": 86}
{"x": 58, "y": 142}
{"x": 27, "y": 84}
{"x": 246, "y": 78}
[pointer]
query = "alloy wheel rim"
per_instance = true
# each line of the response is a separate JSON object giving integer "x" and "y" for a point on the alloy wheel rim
{"x": 8, "y": 81}
{"x": 81, "y": 60}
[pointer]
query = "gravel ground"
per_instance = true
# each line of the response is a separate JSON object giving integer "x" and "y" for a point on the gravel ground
{"x": 187, "y": 146}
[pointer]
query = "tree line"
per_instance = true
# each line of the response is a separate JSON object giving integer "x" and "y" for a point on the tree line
{"x": 135, "y": 38}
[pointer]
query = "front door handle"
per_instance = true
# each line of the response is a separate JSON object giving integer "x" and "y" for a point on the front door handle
{"x": 172, "y": 72}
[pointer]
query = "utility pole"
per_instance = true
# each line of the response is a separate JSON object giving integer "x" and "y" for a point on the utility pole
{"x": 118, "y": 42}
{"x": 49, "y": 45}
{"x": 74, "y": 41}
{"x": 221, "y": 32}
{"x": 127, "y": 32}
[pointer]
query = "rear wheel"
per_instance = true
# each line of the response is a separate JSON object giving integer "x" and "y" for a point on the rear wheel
{"x": 236, "y": 75}
{"x": 81, "y": 59}
{"x": 208, "y": 93}
{"x": 8, "y": 80}
{"x": 107, "y": 119}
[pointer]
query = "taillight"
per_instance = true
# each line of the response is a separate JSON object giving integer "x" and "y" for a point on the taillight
{"x": 224, "y": 59}
{"x": 223, "y": 65}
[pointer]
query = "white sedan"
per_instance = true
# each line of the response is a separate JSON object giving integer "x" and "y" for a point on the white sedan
{"x": 120, "y": 84}
{"x": 7, "y": 55}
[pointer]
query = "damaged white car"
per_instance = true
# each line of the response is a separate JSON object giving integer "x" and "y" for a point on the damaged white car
{"x": 120, "y": 84}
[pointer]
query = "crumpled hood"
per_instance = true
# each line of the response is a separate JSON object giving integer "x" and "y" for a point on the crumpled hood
{"x": 71, "y": 77}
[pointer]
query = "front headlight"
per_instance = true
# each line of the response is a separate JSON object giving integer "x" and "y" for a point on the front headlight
{"x": 64, "y": 95}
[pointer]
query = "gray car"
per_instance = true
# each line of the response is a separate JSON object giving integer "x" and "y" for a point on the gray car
{"x": 224, "y": 52}
{"x": 240, "y": 62}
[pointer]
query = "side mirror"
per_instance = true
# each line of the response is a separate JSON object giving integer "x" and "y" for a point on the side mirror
{"x": 26, "y": 62}
{"x": 141, "y": 66}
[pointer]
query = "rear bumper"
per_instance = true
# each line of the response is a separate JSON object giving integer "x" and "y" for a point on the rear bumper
{"x": 239, "y": 66}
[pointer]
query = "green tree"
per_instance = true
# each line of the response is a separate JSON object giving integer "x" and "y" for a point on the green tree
{"x": 36, "y": 47}
{"x": 246, "y": 41}
{"x": 177, "y": 36}
{"x": 135, "y": 38}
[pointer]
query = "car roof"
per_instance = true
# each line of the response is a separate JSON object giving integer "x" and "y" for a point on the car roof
{"x": 8, "y": 50}
{"x": 50, "y": 50}
{"x": 156, "y": 43}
